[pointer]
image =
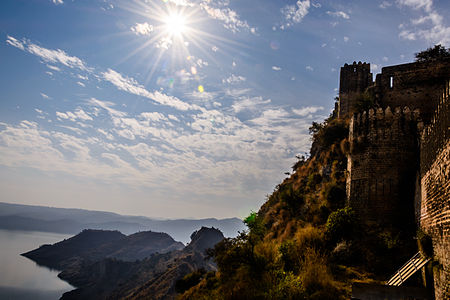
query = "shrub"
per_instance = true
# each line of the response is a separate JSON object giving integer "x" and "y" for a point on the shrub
{"x": 189, "y": 281}
{"x": 335, "y": 196}
{"x": 341, "y": 225}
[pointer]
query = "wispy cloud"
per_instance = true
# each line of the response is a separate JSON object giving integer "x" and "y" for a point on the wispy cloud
{"x": 295, "y": 13}
{"x": 385, "y": 4}
{"x": 142, "y": 28}
{"x": 229, "y": 17}
{"x": 130, "y": 85}
{"x": 78, "y": 114}
{"x": 48, "y": 55}
{"x": 276, "y": 68}
{"x": 430, "y": 27}
{"x": 57, "y": 2}
{"x": 234, "y": 79}
{"x": 45, "y": 96}
{"x": 304, "y": 111}
{"x": 338, "y": 14}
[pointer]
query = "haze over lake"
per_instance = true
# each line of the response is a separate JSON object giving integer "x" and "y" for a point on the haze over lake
{"x": 22, "y": 278}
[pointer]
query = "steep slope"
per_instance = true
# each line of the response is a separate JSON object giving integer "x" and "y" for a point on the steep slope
{"x": 154, "y": 277}
{"x": 304, "y": 243}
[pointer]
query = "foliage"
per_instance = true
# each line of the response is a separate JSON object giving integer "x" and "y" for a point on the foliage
{"x": 364, "y": 102}
{"x": 327, "y": 133}
{"x": 189, "y": 280}
{"x": 437, "y": 52}
{"x": 341, "y": 225}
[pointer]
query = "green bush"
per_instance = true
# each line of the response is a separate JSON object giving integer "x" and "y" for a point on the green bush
{"x": 341, "y": 225}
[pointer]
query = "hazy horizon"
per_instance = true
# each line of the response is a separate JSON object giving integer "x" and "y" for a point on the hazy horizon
{"x": 180, "y": 108}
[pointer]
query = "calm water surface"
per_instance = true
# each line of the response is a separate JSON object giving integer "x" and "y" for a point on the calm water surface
{"x": 21, "y": 278}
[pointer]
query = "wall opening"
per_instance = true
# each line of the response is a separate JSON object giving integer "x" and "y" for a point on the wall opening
{"x": 391, "y": 82}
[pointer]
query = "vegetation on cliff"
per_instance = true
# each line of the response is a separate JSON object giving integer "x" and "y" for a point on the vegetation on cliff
{"x": 303, "y": 243}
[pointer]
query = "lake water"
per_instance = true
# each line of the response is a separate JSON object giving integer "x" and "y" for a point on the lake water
{"x": 21, "y": 278}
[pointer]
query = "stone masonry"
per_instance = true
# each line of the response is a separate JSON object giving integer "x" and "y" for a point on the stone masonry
{"x": 399, "y": 159}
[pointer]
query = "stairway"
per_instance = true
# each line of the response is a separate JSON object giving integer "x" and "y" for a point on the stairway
{"x": 408, "y": 269}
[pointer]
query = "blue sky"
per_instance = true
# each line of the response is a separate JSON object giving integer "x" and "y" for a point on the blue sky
{"x": 180, "y": 108}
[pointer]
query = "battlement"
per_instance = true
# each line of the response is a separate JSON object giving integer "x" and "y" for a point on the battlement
{"x": 354, "y": 80}
{"x": 382, "y": 125}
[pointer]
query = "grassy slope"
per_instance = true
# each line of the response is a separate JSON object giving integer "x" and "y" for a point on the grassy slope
{"x": 304, "y": 243}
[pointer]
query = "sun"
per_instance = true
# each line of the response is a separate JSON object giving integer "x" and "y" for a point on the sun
{"x": 175, "y": 24}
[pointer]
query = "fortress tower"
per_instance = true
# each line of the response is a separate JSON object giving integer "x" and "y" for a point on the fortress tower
{"x": 354, "y": 80}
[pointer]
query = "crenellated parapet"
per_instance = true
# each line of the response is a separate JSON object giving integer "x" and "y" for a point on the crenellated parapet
{"x": 354, "y": 79}
{"x": 382, "y": 162}
{"x": 382, "y": 126}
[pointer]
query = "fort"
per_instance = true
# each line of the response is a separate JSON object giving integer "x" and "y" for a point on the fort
{"x": 398, "y": 169}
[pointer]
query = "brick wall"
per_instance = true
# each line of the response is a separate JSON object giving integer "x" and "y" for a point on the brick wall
{"x": 435, "y": 191}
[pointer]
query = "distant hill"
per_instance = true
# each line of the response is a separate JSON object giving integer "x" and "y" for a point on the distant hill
{"x": 73, "y": 221}
{"x": 103, "y": 264}
{"x": 92, "y": 245}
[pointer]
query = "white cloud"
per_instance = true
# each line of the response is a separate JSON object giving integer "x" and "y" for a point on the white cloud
{"x": 346, "y": 39}
{"x": 338, "y": 14}
{"x": 228, "y": 16}
{"x": 276, "y": 68}
{"x": 130, "y": 85}
{"x": 251, "y": 104}
{"x": 57, "y": 56}
{"x": 81, "y": 84}
{"x": 14, "y": 42}
{"x": 106, "y": 105}
{"x": 54, "y": 68}
{"x": 375, "y": 67}
{"x": 48, "y": 55}
{"x": 304, "y": 111}
{"x": 430, "y": 27}
{"x": 417, "y": 4}
{"x": 45, "y": 96}
{"x": 142, "y": 28}
{"x": 214, "y": 48}
{"x": 309, "y": 68}
{"x": 78, "y": 114}
{"x": 57, "y": 2}
{"x": 295, "y": 13}
{"x": 385, "y": 4}
{"x": 234, "y": 79}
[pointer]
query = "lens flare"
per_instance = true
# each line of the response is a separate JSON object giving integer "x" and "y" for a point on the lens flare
{"x": 201, "y": 89}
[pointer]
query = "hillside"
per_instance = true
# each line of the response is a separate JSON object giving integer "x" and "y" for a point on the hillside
{"x": 304, "y": 243}
{"x": 92, "y": 245}
{"x": 110, "y": 265}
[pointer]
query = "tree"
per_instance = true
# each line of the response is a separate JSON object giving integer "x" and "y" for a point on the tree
{"x": 437, "y": 52}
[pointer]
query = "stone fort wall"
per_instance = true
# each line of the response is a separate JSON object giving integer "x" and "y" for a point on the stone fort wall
{"x": 435, "y": 191}
{"x": 382, "y": 164}
{"x": 400, "y": 152}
